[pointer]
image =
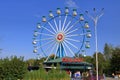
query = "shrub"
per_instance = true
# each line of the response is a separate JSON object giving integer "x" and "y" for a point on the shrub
{"x": 12, "y": 68}
{"x": 41, "y": 74}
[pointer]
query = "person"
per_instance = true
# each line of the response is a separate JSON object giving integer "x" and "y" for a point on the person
{"x": 116, "y": 77}
{"x": 104, "y": 76}
{"x": 77, "y": 74}
{"x": 29, "y": 68}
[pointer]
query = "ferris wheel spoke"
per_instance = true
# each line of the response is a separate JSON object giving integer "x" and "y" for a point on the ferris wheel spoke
{"x": 72, "y": 31}
{"x": 60, "y": 50}
{"x": 55, "y": 24}
{"x": 52, "y": 44}
{"x": 64, "y": 49}
{"x": 71, "y": 44}
{"x": 56, "y": 51}
{"x": 69, "y": 48}
{"x": 72, "y": 39}
{"x": 64, "y": 22}
{"x": 46, "y": 43}
{"x": 46, "y": 39}
{"x": 59, "y": 23}
{"x": 48, "y": 30}
{"x": 51, "y": 51}
{"x": 72, "y": 35}
{"x": 71, "y": 26}
{"x": 52, "y": 27}
{"x": 67, "y": 25}
{"x": 45, "y": 34}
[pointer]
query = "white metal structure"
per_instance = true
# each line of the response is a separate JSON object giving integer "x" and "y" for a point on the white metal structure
{"x": 63, "y": 33}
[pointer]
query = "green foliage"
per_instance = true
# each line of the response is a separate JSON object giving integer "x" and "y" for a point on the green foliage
{"x": 108, "y": 51}
{"x": 12, "y": 68}
{"x": 53, "y": 74}
{"x": 112, "y": 57}
{"x": 115, "y": 60}
{"x": 30, "y": 61}
{"x": 88, "y": 59}
{"x": 1, "y": 70}
{"x": 35, "y": 62}
{"x": 101, "y": 62}
{"x": 108, "y": 62}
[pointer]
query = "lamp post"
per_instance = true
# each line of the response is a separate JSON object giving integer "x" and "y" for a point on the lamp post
{"x": 95, "y": 18}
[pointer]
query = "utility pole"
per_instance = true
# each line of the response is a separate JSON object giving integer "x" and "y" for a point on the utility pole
{"x": 95, "y": 18}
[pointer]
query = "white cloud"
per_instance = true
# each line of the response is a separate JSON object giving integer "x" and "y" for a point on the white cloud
{"x": 71, "y": 3}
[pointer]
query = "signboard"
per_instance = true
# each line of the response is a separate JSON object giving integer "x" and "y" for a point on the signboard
{"x": 72, "y": 59}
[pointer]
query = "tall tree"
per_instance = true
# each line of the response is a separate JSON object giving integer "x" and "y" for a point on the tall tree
{"x": 115, "y": 60}
{"x": 108, "y": 51}
{"x": 101, "y": 62}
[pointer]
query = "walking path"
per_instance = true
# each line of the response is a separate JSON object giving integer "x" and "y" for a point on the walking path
{"x": 109, "y": 78}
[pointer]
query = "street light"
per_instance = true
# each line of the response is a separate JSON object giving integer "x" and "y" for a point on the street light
{"x": 95, "y": 18}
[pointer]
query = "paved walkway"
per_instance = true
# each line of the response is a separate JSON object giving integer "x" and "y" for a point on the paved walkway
{"x": 109, "y": 78}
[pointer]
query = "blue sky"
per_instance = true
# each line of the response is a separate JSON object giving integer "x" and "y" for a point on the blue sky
{"x": 18, "y": 20}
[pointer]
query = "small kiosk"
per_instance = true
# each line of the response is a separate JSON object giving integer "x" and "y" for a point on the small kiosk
{"x": 73, "y": 66}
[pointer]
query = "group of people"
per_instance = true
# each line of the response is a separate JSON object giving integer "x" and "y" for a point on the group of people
{"x": 78, "y": 75}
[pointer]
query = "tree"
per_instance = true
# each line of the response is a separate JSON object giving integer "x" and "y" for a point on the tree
{"x": 1, "y": 70}
{"x": 30, "y": 62}
{"x": 18, "y": 67}
{"x": 115, "y": 60}
{"x": 12, "y": 68}
{"x": 108, "y": 51}
{"x": 101, "y": 62}
{"x": 88, "y": 59}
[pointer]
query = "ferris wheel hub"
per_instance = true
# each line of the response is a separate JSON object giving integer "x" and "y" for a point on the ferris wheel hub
{"x": 60, "y": 37}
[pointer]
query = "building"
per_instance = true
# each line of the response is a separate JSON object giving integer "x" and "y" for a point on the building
{"x": 71, "y": 65}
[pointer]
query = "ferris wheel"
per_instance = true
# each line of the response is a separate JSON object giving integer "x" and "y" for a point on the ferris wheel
{"x": 63, "y": 33}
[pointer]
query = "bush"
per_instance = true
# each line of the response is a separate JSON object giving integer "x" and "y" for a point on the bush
{"x": 53, "y": 74}
{"x": 12, "y": 68}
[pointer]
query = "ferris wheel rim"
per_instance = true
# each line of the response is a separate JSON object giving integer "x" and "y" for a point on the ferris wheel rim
{"x": 62, "y": 34}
